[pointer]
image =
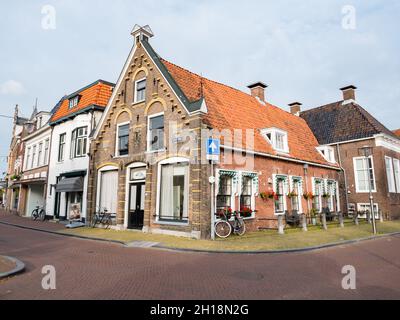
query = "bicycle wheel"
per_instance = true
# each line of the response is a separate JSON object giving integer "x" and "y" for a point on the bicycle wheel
{"x": 34, "y": 214}
{"x": 223, "y": 229}
{"x": 93, "y": 221}
{"x": 42, "y": 215}
{"x": 240, "y": 228}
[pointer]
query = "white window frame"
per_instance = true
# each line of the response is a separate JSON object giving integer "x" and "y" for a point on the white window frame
{"x": 46, "y": 151}
{"x": 117, "y": 155}
{"x": 233, "y": 188}
{"x": 73, "y": 102}
{"x": 98, "y": 188}
{"x": 355, "y": 175}
{"x": 273, "y": 132}
{"x": 390, "y": 176}
{"x": 253, "y": 192}
{"x": 300, "y": 194}
{"x": 61, "y": 155}
{"x": 40, "y": 153}
{"x": 172, "y": 160}
{"x": 368, "y": 205}
{"x": 74, "y": 142}
{"x": 135, "y": 88}
{"x": 396, "y": 170}
{"x": 149, "y": 136}
{"x": 33, "y": 156}
{"x": 274, "y": 179}
{"x": 325, "y": 151}
{"x": 28, "y": 157}
{"x": 314, "y": 179}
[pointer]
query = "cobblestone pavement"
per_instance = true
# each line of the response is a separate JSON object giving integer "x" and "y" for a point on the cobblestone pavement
{"x": 95, "y": 270}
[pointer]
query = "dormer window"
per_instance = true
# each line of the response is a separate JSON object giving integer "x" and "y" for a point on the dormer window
{"x": 73, "y": 102}
{"x": 328, "y": 153}
{"x": 277, "y": 138}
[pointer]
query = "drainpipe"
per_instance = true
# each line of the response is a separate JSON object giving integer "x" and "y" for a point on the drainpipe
{"x": 344, "y": 174}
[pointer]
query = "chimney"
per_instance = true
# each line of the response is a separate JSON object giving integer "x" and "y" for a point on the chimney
{"x": 258, "y": 90}
{"x": 295, "y": 108}
{"x": 349, "y": 93}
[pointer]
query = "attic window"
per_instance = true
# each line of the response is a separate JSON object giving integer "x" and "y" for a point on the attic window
{"x": 277, "y": 138}
{"x": 73, "y": 102}
{"x": 328, "y": 153}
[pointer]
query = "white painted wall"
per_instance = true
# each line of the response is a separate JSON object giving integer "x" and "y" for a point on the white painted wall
{"x": 35, "y": 140}
{"x": 76, "y": 164}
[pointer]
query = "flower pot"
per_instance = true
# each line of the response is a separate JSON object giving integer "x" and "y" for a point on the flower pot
{"x": 314, "y": 221}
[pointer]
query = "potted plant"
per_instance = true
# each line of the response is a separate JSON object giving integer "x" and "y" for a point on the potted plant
{"x": 246, "y": 212}
{"x": 326, "y": 195}
{"x": 264, "y": 196}
{"x": 226, "y": 211}
{"x": 308, "y": 195}
{"x": 15, "y": 177}
{"x": 313, "y": 214}
{"x": 292, "y": 194}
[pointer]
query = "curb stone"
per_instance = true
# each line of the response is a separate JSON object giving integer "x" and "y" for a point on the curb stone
{"x": 19, "y": 267}
{"x": 166, "y": 248}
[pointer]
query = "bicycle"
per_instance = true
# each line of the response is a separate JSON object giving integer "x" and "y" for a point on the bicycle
{"x": 38, "y": 213}
{"x": 225, "y": 226}
{"x": 102, "y": 217}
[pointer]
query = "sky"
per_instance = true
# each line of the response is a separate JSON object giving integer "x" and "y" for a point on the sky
{"x": 304, "y": 50}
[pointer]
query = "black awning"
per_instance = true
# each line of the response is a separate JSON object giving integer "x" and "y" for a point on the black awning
{"x": 70, "y": 185}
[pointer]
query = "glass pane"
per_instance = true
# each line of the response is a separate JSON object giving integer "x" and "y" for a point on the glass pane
{"x": 132, "y": 200}
{"x": 123, "y": 130}
{"x": 142, "y": 197}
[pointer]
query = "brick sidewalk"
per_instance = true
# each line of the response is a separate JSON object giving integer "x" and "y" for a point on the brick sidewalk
{"x": 10, "y": 218}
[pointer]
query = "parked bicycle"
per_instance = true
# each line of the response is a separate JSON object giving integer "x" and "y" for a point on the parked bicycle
{"x": 38, "y": 214}
{"x": 225, "y": 227}
{"x": 103, "y": 218}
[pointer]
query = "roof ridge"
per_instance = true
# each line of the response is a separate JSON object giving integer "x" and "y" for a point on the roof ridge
{"x": 197, "y": 75}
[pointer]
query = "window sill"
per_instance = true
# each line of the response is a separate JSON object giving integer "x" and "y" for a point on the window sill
{"x": 120, "y": 157}
{"x": 171, "y": 223}
{"x": 138, "y": 102}
{"x": 155, "y": 151}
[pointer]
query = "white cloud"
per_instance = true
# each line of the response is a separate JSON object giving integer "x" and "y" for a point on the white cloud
{"x": 12, "y": 87}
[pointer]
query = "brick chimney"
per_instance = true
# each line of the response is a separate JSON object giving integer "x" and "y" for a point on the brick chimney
{"x": 258, "y": 90}
{"x": 295, "y": 108}
{"x": 349, "y": 93}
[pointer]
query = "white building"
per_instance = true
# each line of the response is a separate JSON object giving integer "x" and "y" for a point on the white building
{"x": 74, "y": 119}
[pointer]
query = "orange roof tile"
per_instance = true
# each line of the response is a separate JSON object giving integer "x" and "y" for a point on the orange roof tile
{"x": 229, "y": 108}
{"x": 96, "y": 94}
{"x": 397, "y": 132}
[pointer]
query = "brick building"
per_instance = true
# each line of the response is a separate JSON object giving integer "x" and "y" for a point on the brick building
{"x": 15, "y": 161}
{"x": 73, "y": 121}
{"x": 344, "y": 127}
{"x": 148, "y": 162}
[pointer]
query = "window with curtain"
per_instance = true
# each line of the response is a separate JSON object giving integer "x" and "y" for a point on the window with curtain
{"x": 123, "y": 139}
{"x": 46, "y": 152}
{"x": 331, "y": 195}
{"x": 224, "y": 196}
{"x": 140, "y": 93}
{"x": 396, "y": 165}
{"x": 174, "y": 192}
{"x": 245, "y": 197}
{"x": 156, "y": 133}
{"x": 61, "y": 147}
{"x": 390, "y": 174}
{"x": 316, "y": 204}
{"x": 109, "y": 191}
{"x": 296, "y": 195}
{"x": 78, "y": 143}
{"x": 280, "y": 195}
{"x": 40, "y": 154}
{"x": 364, "y": 174}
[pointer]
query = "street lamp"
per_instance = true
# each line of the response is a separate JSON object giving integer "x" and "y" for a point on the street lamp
{"x": 366, "y": 152}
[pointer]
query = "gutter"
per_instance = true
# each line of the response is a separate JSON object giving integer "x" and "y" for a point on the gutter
{"x": 281, "y": 158}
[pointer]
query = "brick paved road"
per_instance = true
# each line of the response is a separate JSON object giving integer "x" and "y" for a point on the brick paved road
{"x": 94, "y": 270}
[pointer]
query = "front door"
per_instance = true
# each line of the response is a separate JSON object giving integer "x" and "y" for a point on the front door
{"x": 136, "y": 205}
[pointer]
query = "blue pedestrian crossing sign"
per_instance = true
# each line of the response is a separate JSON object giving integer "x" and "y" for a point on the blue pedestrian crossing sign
{"x": 213, "y": 149}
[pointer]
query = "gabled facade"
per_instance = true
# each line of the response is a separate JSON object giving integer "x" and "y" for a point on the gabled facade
{"x": 35, "y": 163}
{"x": 73, "y": 121}
{"x": 149, "y": 152}
{"x": 15, "y": 162}
{"x": 346, "y": 128}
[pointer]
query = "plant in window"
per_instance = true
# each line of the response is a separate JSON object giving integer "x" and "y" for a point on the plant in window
{"x": 225, "y": 212}
{"x": 308, "y": 195}
{"x": 326, "y": 195}
{"x": 292, "y": 194}
{"x": 246, "y": 212}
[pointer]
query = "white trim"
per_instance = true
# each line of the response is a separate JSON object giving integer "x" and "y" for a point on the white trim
{"x": 148, "y": 131}
{"x": 390, "y": 179}
{"x": 350, "y": 141}
{"x": 368, "y": 205}
{"x": 127, "y": 183}
{"x": 273, "y": 132}
{"x": 98, "y": 184}
{"x": 135, "y": 100}
{"x": 388, "y": 142}
{"x": 114, "y": 93}
{"x": 171, "y": 160}
{"x": 355, "y": 175}
{"x": 324, "y": 151}
{"x": 263, "y": 154}
{"x": 300, "y": 194}
{"x": 116, "y": 152}
{"x": 396, "y": 166}
{"x": 285, "y": 191}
